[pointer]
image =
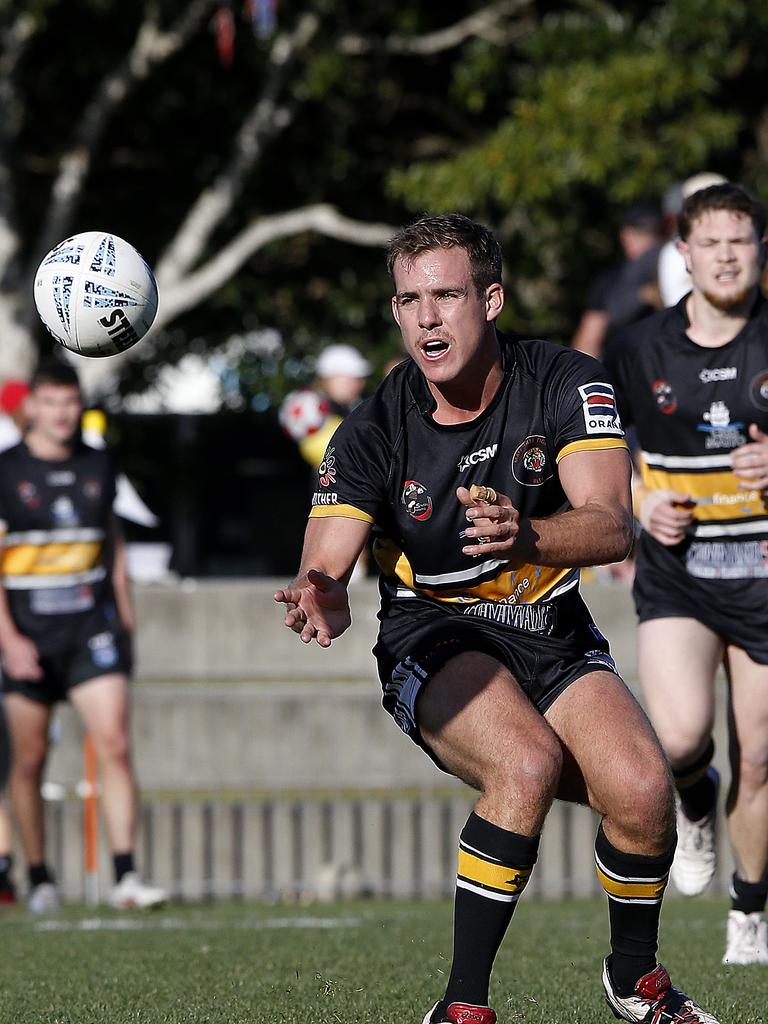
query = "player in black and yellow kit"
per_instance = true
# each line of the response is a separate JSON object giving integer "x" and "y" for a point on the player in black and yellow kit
{"x": 694, "y": 381}
{"x": 65, "y": 623}
{"x": 488, "y": 657}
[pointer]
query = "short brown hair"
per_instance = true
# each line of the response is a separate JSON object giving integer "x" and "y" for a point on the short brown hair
{"x": 447, "y": 231}
{"x": 721, "y": 197}
{"x": 53, "y": 371}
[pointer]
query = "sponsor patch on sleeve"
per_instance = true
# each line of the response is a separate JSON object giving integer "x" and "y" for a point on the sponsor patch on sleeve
{"x": 599, "y": 405}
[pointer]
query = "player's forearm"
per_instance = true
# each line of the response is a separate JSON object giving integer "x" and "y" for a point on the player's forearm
{"x": 332, "y": 546}
{"x": 590, "y": 535}
{"x": 121, "y": 585}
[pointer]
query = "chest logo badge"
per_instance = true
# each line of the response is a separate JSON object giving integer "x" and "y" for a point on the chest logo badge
{"x": 665, "y": 397}
{"x": 417, "y": 501}
{"x": 529, "y": 463}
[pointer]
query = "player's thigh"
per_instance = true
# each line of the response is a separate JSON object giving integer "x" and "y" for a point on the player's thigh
{"x": 103, "y": 704}
{"x": 677, "y": 662}
{"x": 27, "y": 723}
{"x": 481, "y": 726}
{"x": 749, "y": 708}
{"x": 609, "y": 740}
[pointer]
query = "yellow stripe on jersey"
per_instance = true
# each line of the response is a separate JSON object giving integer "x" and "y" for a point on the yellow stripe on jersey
{"x": 717, "y": 494}
{"x": 526, "y": 585}
{"x": 591, "y": 444}
{"x": 500, "y": 877}
{"x": 50, "y": 559}
{"x": 342, "y": 511}
{"x": 634, "y": 888}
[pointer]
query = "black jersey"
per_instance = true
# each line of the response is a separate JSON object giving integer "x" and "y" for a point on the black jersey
{"x": 54, "y": 517}
{"x": 691, "y": 406}
{"x": 391, "y": 464}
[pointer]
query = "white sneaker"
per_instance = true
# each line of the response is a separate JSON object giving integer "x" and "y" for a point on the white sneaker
{"x": 131, "y": 893}
{"x": 746, "y": 939}
{"x": 654, "y": 1001}
{"x": 696, "y": 857}
{"x": 44, "y": 899}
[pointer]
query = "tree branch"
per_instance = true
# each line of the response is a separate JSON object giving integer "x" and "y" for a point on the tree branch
{"x": 152, "y": 46}
{"x": 266, "y": 119}
{"x": 178, "y": 296}
{"x": 485, "y": 23}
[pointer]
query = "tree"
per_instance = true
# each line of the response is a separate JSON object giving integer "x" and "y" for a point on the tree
{"x": 121, "y": 114}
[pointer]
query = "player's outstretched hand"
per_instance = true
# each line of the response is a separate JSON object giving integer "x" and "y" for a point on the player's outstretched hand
{"x": 750, "y": 461}
{"x": 665, "y": 515}
{"x": 318, "y": 607}
{"x": 494, "y": 522}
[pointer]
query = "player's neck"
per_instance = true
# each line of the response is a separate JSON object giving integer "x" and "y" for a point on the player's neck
{"x": 711, "y": 327}
{"x": 462, "y": 401}
{"x": 47, "y": 448}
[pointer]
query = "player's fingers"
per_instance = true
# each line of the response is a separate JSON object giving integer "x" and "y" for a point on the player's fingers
{"x": 756, "y": 433}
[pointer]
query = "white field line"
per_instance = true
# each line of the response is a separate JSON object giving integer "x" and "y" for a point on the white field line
{"x": 153, "y": 924}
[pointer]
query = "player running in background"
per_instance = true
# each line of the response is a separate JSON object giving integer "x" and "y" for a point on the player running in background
{"x": 694, "y": 381}
{"x": 66, "y": 619}
{"x": 488, "y": 656}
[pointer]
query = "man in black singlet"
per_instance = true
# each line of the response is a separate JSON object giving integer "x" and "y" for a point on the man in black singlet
{"x": 490, "y": 468}
{"x": 65, "y": 623}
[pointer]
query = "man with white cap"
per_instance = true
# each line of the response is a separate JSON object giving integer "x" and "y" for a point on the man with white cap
{"x": 674, "y": 279}
{"x": 311, "y": 415}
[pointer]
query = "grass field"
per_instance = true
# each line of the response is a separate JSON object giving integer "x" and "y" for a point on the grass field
{"x": 346, "y": 963}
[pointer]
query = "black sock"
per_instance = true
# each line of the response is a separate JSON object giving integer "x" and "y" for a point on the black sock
{"x": 748, "y": 897}
{"x": 697, "y": 786}
{"x": 6, "y": 866}
{"x": 38, "y": 874}
{"x": 494, "y": 868}
{"x": 123, "y": 863}
{"x": 635, "y": 925}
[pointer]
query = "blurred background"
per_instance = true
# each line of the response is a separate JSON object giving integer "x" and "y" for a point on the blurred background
{"x": 259, "y": 153}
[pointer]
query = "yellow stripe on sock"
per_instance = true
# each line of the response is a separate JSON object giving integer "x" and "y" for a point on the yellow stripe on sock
{"x": 496, "y": 876}
{"x": 651, "y": 890}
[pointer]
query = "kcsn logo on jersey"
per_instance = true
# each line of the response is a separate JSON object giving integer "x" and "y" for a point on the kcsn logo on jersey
{"x": 482, "y": 455}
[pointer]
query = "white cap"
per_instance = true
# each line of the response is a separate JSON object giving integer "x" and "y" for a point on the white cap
{"x": 699, "y": 181}
{"x": 341, "y": 361}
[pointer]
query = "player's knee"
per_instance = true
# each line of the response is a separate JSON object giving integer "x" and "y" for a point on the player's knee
{"x": 114, "y": 746}
{"x": 532, "y": 773}
{"x": 683, "y": 744}
{"x": 27, "y": 763}
{"x": 753, "y": 769}
{"x": 650, "y": 802}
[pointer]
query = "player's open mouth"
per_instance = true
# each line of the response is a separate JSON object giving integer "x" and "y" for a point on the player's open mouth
{"x": 434, "y": 348}
{"x": 727, "y": 276}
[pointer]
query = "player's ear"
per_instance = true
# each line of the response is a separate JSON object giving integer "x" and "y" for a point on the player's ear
{"x": 494, "y": 301}
{"x": 395, "y": 310}
{"x": 685, "y": 251}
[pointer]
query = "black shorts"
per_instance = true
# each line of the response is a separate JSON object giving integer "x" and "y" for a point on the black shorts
{"x": 417, "y": 638}
{"x": 736, "y": 610}
{"x": 92, "y": 654}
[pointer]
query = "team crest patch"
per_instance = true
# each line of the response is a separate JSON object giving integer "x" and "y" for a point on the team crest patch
{"x": 599, "y": 405}
{"x": 417, "y": 502}
{"x": 758, "y": 390}
{"x": 27, "y": 492}
{"x": 665, "y": 397}
{"x": 529, "y": 463}
{"x": 327, "y": 469}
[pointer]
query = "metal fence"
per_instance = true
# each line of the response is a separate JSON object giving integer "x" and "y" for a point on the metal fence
{"x": 290, "y": 849}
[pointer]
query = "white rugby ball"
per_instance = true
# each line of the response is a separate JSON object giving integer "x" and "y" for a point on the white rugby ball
{"x": 96, "y": 294}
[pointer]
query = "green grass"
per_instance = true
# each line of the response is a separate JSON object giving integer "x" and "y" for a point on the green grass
{"x": 347, "y": 963}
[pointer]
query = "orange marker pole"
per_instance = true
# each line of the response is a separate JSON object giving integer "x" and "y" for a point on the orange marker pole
{"x": 90, "y": 824}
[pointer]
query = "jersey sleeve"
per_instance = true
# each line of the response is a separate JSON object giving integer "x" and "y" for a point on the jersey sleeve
{"x": 352, "y": 477}
{"x": 581, "y": 409}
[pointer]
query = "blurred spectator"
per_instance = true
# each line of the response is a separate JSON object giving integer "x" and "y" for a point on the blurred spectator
{"x": 13, "y": 418}
{"x": 311, "y": 415}
{"x": 626, "y": 292}
{"x": 674, "y": 279}
{"x": 7, "y": 891}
